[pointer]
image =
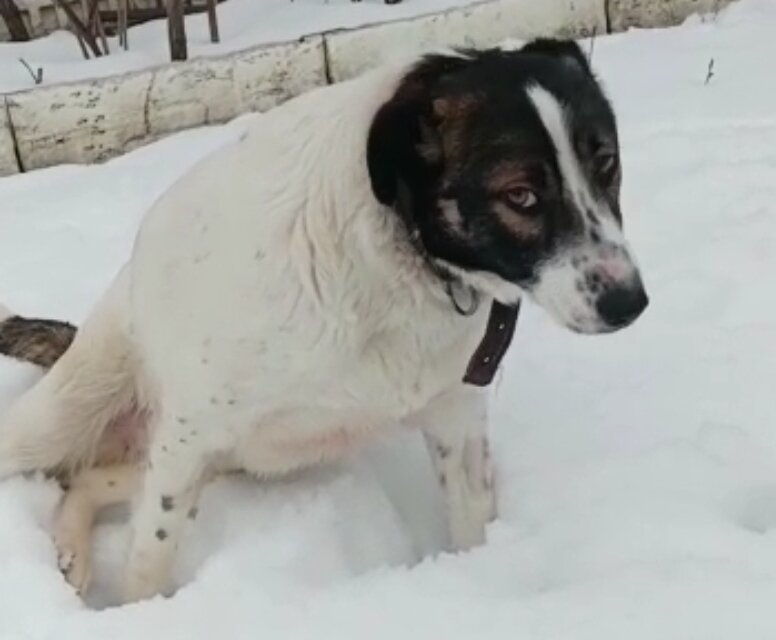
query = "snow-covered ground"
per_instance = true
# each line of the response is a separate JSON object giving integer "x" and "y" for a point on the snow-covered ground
{"x": 242, "y": 24}
{"x": 637, "y": 471}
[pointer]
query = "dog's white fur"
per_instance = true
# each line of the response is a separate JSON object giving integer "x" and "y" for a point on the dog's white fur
{"x": 557, "y": 288}
{"x": 271, "y": 316}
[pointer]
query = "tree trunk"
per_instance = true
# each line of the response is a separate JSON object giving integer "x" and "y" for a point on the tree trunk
{"x": 13, "y": 19}
{"x": 176, "y": 29}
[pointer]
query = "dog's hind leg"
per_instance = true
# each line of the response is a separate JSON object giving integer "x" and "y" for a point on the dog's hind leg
{"x": 58, "y": 424}
{"x": 89, "y": 491}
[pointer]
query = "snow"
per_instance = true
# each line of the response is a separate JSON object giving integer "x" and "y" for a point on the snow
{"x": 636, "y": 471}
{"x": 242, "y": 24}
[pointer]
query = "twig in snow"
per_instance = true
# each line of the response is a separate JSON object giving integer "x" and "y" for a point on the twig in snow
{"x": 37, "y": 76}
{"x": 709, "y": 72}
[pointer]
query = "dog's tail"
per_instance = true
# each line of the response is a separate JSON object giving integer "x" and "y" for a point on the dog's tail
{"x": 40, "y": 342}
{"x": 58, "y": 424}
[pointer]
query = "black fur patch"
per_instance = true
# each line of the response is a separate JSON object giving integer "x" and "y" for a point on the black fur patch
{"x": 567, "y": 49}
{"x": 463, "y": 130}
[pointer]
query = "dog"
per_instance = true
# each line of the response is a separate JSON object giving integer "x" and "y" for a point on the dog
{"x": 327, "y": 277}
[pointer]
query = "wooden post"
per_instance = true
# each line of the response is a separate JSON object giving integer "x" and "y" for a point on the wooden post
{"x": 81, "y": 44}
{"x": 103, "y": 35}
{"x": 212, "y": 20}
{"x": 176, "y": 29}
{"x": 79, "y": 28}
{"x": 94, "y": 23}
{"x": 85, "y": 13}
{"x": 13, "y": 19}
{"x": 123, "y": 23}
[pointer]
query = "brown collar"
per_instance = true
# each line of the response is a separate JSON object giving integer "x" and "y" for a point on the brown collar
{"x": 498, "y": 336}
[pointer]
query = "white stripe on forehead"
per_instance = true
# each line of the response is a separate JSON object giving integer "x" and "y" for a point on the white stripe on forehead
{"x": 553, "y": 117}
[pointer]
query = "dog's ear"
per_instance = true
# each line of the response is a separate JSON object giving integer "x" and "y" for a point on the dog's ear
{"x": 392, "y": 148}
{"x": 568, "y": 49}
{"x": 402, "y": 139}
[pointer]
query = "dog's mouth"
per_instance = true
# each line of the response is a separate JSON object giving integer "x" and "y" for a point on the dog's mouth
{"x": 584, "y": 302}
{"x": 594, "y": 298}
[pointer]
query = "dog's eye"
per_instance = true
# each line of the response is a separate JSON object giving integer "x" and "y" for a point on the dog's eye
{"x": 521, "y": 198}
{"x": 606, "y": 166}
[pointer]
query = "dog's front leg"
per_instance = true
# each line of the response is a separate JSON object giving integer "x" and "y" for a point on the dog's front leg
{"x": 455, "y": 428}
{"x": 173, "y": 481}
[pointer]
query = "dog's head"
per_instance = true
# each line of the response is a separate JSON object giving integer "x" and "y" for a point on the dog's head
{"x": 505, "y": 166}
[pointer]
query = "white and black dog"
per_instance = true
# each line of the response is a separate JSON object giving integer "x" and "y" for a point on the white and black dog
{"x": 327, "y": 277}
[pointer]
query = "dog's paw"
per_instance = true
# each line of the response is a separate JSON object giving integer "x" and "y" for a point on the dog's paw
{"x": 73, "y": 563}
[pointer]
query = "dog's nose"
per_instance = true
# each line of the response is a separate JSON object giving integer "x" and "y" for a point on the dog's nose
{"x": 621, "y": 305}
